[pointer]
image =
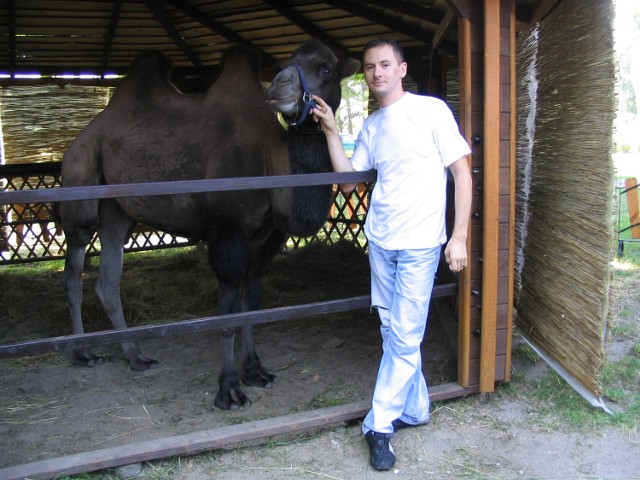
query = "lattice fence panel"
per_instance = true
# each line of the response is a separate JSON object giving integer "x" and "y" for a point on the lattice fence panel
{"x": 29, "y": 232}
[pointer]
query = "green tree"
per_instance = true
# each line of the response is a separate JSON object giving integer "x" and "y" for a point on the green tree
{"x": 353, "y": 108}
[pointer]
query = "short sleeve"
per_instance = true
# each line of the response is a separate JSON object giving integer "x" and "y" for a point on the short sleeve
{"x": 448, "y": 138}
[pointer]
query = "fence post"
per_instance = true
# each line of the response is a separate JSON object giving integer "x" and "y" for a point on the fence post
{"x": 631, "y": 186}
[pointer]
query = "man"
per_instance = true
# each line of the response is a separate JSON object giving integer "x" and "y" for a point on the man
{"x": 411, "y": 141}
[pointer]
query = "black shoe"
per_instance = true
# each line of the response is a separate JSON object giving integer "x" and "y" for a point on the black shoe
{"x": 400, "y": 424}
{"x": 381, "y": 455}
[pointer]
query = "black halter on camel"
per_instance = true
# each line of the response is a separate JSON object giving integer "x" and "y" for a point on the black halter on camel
{"x": 297, "y": 122}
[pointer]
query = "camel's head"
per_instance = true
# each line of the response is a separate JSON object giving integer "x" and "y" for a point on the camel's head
{"x": 312, "y": 70}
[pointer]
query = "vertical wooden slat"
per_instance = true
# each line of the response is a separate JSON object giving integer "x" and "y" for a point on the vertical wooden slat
{"x": 512, "y": 183}
{"x": 491, "y": 192}
{"x": 464, "y": 279}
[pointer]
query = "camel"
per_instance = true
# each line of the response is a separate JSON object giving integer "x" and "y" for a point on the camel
{"x": 151, "y": 132}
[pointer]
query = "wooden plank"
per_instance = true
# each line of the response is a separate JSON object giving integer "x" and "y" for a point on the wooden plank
{"x": 180, "y": 187}
{"x": 491, "y": 192}
{"x": 205, "y": 324}
{"x": 464, "y": 291}
{"x": 198, "y": 442}
{"x": 630, "y": 185}
{"x": 35, "y": 347}
{"x": 512, "y": 185}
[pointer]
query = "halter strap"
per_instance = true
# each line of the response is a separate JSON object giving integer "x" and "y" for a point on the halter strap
{"x": 307, "y": 98}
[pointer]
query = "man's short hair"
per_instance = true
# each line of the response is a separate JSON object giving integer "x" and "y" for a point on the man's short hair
{"x": 381, "y": 42}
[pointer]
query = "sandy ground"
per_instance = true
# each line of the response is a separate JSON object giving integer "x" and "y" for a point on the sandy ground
{"x": 50, "y": 406}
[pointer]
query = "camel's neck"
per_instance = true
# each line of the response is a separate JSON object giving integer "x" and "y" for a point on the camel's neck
{"x": 308, "y": 153}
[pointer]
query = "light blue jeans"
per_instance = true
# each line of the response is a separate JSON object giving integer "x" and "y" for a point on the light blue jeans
{"x": 401, "y": 285}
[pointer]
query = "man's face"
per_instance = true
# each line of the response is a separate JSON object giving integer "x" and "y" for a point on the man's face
{"x": 382, "y": 71}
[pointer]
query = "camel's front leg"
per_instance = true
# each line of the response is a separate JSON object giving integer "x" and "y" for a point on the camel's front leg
{"x": 253, "y": 373}
{"x": 230, "y": 396}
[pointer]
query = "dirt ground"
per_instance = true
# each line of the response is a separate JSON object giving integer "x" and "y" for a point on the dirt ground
{"x": 50, "y": 406}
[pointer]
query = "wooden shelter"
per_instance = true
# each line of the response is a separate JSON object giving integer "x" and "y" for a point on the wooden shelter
{"x": 474, "y": 40}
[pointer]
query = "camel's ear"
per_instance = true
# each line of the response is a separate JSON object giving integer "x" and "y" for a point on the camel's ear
{"x": 348, "y": 67}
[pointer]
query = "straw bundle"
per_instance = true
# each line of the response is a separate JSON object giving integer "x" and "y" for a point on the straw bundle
{"x": 526, "y": 88}
{"x": 563, "y": 302}
{"x": 39, "y": 122}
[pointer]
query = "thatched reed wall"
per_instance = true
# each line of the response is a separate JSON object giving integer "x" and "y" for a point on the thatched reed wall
{"x": 565, "y": 222}
{"x": 39, "y": 122}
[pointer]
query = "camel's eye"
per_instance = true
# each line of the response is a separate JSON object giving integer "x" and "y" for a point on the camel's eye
{"x": 325, "y": 72}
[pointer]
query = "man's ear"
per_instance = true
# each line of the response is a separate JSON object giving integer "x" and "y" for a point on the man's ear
{"x": 403, "y": 69}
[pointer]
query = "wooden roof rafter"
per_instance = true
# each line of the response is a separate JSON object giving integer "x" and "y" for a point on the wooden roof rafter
{"x": 97, "y": 37}
{"x": 216, "y": 27}
{"x": 113, "y": 25}
{"x": 177, "y": 38}
{"x": 286, "y": 10}
{"x": 381, "y": 18}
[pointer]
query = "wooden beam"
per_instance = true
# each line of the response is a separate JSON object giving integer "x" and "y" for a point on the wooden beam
{"x": 218, "y": 28}
{"x": 198, "y": 442}
{"x": 460, "y": 7}
{"x": 631, "y": 188}
{"x": 12, "y": 35}
{"x": 512, "y": 183}
{"x": 382, "y": 18}
{"x": 442, "y": 30}
{"x": 411, "y": 9}
{"x": 491, "y": 194}
{"x": 198, "y": 325}
{"x": 285, "y": 9}
{"x": 111, "y": 32}
{"x": 159, "y": 14}
{"x": 38, "y": 195}
{"x": 464, "y": 278}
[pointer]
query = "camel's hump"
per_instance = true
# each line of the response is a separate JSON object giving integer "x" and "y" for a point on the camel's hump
{"x": 237, "y": 57}
{"x": 242, "y": 56}
{"x": 148, "y": 61}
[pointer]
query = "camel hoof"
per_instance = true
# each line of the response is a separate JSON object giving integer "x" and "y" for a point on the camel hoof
{"x": 233, "y": 400}
{"x": 87, "y": 358}
{"x": 141, "y": 363}
{"x": 259, "y": 378}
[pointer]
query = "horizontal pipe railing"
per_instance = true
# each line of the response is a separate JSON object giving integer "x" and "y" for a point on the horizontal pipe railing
{"x": 181, "y": 187}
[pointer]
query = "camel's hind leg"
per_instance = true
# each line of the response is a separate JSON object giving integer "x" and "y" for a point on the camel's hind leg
{"x": 114, "y": 230}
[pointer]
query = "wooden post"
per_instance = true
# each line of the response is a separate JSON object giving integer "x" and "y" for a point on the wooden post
{"x": 632, "y": 204}
{"x": 491, "y": 192}
{"x": 512, "y": 184}
{"x": 464, "y": 279}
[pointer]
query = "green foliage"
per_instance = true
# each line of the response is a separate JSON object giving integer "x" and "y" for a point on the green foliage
{"x": 353, "y": 108}
{"x": 557, "y": 400}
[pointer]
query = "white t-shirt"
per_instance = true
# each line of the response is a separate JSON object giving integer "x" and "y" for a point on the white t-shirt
{"x": 410, "y": 143}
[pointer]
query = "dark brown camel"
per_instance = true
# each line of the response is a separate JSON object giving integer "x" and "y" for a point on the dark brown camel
{"x": 150, "y": 132}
